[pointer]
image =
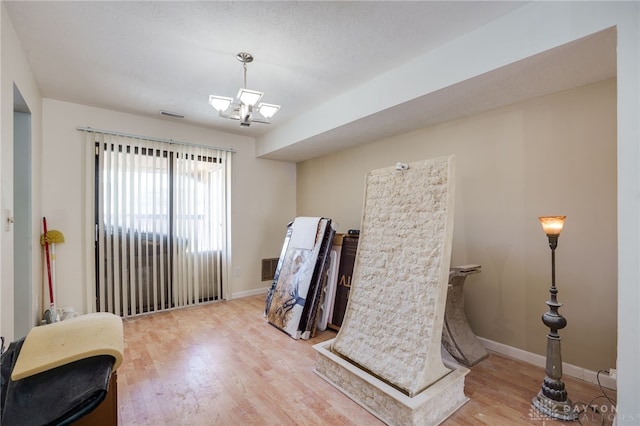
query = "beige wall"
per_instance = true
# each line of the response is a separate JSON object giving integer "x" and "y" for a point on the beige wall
{"x": 263, "y": 193}
{"x": 547, "y": 156}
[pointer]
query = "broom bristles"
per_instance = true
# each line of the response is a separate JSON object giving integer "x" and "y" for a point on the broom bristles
{"x": 52, "y": 237}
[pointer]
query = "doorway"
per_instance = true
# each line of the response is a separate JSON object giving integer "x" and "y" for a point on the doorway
{"x": 22, "y": 235}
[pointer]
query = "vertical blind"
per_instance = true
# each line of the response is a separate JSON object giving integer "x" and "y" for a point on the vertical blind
{"x": 161, "y": 223}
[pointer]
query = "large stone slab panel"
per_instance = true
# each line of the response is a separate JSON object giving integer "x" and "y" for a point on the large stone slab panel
{"x": 393, "y": 323}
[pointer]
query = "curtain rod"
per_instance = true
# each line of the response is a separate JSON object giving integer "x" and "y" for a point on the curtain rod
{"x": 170, "y": 141}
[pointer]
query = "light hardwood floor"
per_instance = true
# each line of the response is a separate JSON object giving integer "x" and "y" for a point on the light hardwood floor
{"x": 223, "y": 364}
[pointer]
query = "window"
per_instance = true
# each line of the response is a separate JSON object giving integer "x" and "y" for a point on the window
{"x": 160, "y": 216}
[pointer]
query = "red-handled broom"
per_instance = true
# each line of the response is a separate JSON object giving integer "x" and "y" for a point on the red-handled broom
{"x": 50, "y": 237}
{"x": 50, "y": 314}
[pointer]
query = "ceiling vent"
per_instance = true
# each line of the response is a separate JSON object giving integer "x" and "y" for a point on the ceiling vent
{"x": 171, "y": 114}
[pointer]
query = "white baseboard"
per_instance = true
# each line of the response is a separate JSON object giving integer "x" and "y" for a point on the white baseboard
{"x": 540, "y": 361}
{"x": 248, "y": 293}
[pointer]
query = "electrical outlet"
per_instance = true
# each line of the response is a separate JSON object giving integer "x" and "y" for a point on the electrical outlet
{"x": 236, "y": 272}
{"x": 613, "y": 373}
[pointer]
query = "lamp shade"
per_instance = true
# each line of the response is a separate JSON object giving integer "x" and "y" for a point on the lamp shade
{"x": 552, "y": 225}
{"x": 220, "y": 103}
{"x": 268, "y": 110}
{"x": 249, "y": 97}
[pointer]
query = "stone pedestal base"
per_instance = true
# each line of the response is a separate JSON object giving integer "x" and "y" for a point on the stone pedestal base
{"x": 457, "y": 336}
{"x": 430, "y": 407}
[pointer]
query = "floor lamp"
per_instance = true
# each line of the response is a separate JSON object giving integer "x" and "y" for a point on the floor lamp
{"x": 552, "y": 398}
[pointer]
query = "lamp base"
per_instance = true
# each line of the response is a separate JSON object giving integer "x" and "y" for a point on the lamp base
{"x": 562, "y": 410}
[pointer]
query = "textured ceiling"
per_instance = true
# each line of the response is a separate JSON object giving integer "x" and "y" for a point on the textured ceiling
{"x": 143, "y": 57}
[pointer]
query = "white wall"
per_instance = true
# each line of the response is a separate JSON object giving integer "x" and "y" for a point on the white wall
{"x": 263, "y": 193}
{"x": 15, "y": 70}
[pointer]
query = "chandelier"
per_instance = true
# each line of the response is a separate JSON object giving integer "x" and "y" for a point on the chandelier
{"x": 245, "y": 106}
